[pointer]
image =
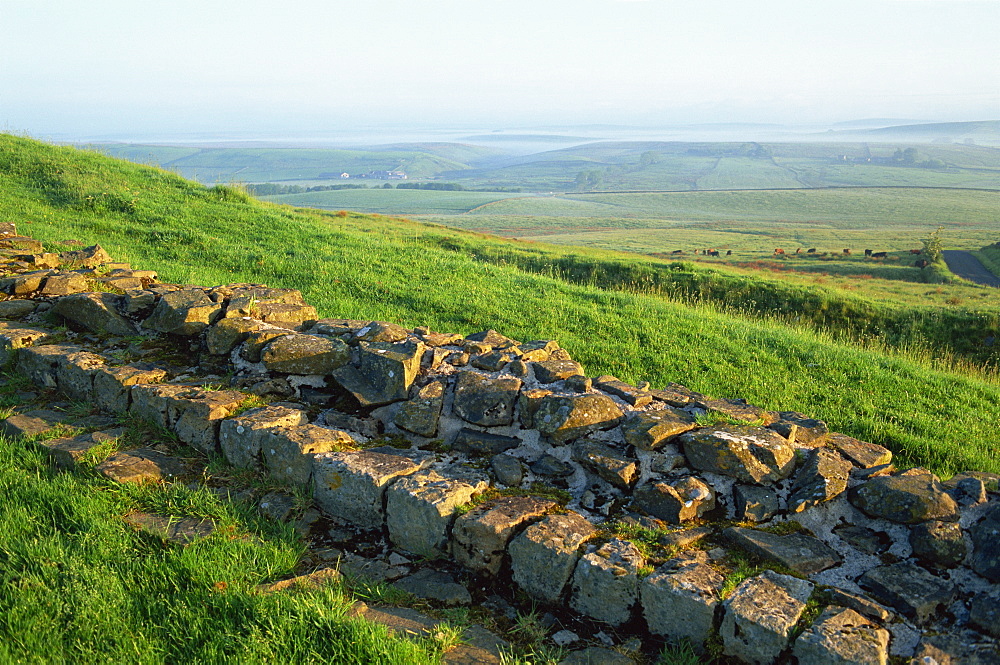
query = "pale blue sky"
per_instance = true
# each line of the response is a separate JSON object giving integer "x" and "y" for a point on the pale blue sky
{"x": 119, "y": 66}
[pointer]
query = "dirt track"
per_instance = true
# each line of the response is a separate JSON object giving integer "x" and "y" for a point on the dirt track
{"x": 966, "y": 266}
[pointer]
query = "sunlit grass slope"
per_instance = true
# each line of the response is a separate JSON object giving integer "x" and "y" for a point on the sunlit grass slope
{"x": 371, "y": 267}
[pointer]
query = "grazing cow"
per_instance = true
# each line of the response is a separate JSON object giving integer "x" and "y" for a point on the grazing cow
{"x": 713, "y": 252}
{"x": 677, "y": 251}
{"x": 921, "y": 263}
{"x": 915, "y": 251}
{"x": 847, "y": 252}
{"x": 779, "y": 251}
{"x": 879, "y": 255}
{"x": 798, "y": 251}
{"x": 729, "y": 252}
{"x": 811, "y": 251}
{"x": 868, "y": 252}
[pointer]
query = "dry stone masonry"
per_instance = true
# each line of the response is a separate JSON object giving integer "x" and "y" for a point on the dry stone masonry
{"x": 623, "y": 504}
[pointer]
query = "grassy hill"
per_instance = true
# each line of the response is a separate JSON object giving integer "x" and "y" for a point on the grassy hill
{"x": 614, "y": 320}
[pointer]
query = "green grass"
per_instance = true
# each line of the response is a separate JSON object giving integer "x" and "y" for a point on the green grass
{"x": 79, "y": 585}
{"x": 599, "y": 306}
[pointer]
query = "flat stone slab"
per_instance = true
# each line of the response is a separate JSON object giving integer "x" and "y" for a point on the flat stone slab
{"x": 675, "y": 501}
{"x": 797, "y": 551}
{"x": 563, "y": 418}
{"x": 822, "y": 477}
{"x": 67, "y": 451}
{"x": 625, "y": 391}
{"x": 307, "y": 582}
{"x": 111, "y": 384}
{"x": 240, "y": 436}
{"x": 288, "y": 451}
{"x": 985, "y": 535}
{"x": 143, "y": 465}
{"x": 651, "y": 430}
{"x": 484, "y": 401}
{"x": 608, "y": 463}
{"x": 596, "y": 656}
{"x": 434, "y": 585}
{"x": 180, "y": 530}
{"x": 305, "y": 354}
{"x": 32, "y": 423}
{"x": 479, "y": 646}
{"x": 909, "y": 589}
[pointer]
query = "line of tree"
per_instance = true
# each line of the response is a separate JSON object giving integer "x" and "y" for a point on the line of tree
{"x": 274, "y": 189}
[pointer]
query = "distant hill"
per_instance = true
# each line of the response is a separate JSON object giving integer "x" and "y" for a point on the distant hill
{"x": 986, "y": 131}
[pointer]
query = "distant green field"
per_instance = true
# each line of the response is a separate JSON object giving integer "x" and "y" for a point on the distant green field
{"x": 393, "y": 201}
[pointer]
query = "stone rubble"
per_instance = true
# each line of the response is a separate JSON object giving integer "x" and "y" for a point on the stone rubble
{"x": 505, "y": 458}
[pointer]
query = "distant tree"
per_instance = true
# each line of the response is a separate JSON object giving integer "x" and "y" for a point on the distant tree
{"x": 933, "y": 246}
{"x": 387, "y": 185}
{"x": 649, "y": 158}
{"x": 910, "y": 156}
{"x": 590, "y": 179}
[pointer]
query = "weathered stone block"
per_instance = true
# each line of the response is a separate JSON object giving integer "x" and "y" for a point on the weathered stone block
{"x": 606, "y": 582}
{"x": 420, "y": 509}
{"x": 480, "y": 537}
{"x": 421, "y": 414}
{"x": 12, "y": 339}
{"x": 676, "y": 501}
{"x": 550, "y": 371}
{"x": 97, "y": 312}
{"x": 483, "y": 401}
{"x": 62, "y": 284}
{"x": 909, "y": 589}
{"x": 799, "y": 552}
{"x": 141, "y": 466}
{"x": 938, "y": 543}
{"x": 800, "y": 430}
{"x": 16, "y": 309}
{"x": 67, "y": 451}
{"x": 112, "y": 384}
{"x": 755, "y": 502}
{"x": 185, "y": 312}
{"x": 544, "y": 556}
{"x": 191, "y": 412}
{"x": 31, "y": 423}
{"x": 908, "y": 498}
{"x": 760, "y": 615}
{"x": 651, "y": 430}
{"x": 629, "y": 393}
{"x": 288, "y": 451}
{"x": 822, "y": 477}
{"x": 528, "y": 403}
{"x": 305, "y": 354}
{"x": 985, "y": 536}
{"x": 563, "y": 418}
{"x": 750, "y": 454}
{"x": 680, "y": 598}
{"x": 474, "y": 442}
{"x": 351, "y": 486}
{"x": 240, "y": 437}
{"x": 864, "y": 454}
{"x": 41, "y": 363}
{"x": 842, "y": 637}
{"x": 75, "y": 375}
{"x": 610, "y": 464}
{"x": 226, "y": 334}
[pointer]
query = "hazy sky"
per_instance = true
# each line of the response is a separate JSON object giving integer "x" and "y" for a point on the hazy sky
{"x": 119, "y": 66}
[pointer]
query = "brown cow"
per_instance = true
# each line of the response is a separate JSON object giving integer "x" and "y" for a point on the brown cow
{"x": 779, "y": 251}
{"x": 915, "y": 251}
{"x": 713, "y": 252}
{"x": 847, "y": 252}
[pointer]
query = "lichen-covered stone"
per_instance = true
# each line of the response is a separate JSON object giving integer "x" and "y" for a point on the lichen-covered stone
{"x": 422, "y": 413}
{"x": 16, "y": 309}
{"x": 800, "y": 430}
{"x": 907, "y": 498}
{"x": 750, "y": 454}
{"x": 305, "y": 354}
{"x": 227, "y": 333}
{"x": 240, "y": 437}
{"x": 842, "y": 637}
{"x": 191, "y": 412}
{"x": 186, "y": 312}
{"x": 62, "y": 284}
{"x": 67, "y": 451}
{"x": 864, "y": 454}
{"x": 480, "y": 537}
{"x": 651, "y": 430}
{"x": 563, "y": 418}
{"x": 985, "y": 535}
{"x": 938, "y": 543}
{"x": 799, "y": 552}
{"x": 483, "y": 401}
{"x": 606, "y": 582}
{"x": 351, "y": 485}
{"x": 760, "y": 615}
{"x": 755, "y": 502}
{"x": 909, "y": 589}
{"x": 528, "y": 403}
{"x": 288, "y": 451}
{"x": 680, "y": 598}
{"x": 550, "y": 371}
{"x": 12, "y": 339}
{"x": 821, "y": 477}
{"x": 140, "y": 466}
{"x": 420, "y": 509}
{"x": 544, "y": 556}
{"x": 481, "y": 444}
{"x": 737, "y": 409}
{"x": 97, "y": 312}
{"x": 627, "y": 392}
{"x": 676, "y": 501}
{"x": 609, "y": 464}
{"x": 75, "y": 375}
{"x": 112, "y": 391}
